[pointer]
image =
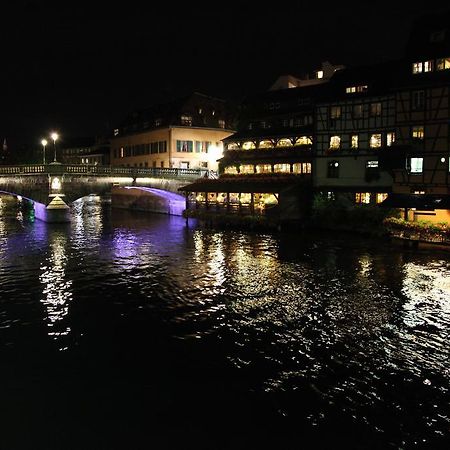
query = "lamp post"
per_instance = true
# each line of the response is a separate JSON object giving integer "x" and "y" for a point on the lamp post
{"x": 54, "y": 136}
{"x": 44, "y": 144}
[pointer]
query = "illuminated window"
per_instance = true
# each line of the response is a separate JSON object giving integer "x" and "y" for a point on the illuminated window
{"x": 246, "y": 168}
{"x": 390, "y": 138}
{"x": 266, "y": 144}
{"x": 284, "y": 143}
{"x": 357, "y": 111}
{"x": 362, "y": 197}
{"x": 335, "y": 112}
{"x": 231, "y": 170}
{"x": 428, "y": 66}
{"x": 249, "y": 145}
{"x": 282, "y": 168}
{"x": 375, "y": 109}
{"x": 418, "y": 133}
{"x": 375, "y": 140}
{"x": 301, "y": 168}
{"x": 443, "y": 64}
{"x": 186, "y": 121}
{"x": 245, "y": 198}
{"x": 202, "y": 146}
{"x": 354, "y": 138}
{"x": 353, "y": 89}
{"x": 416, "y": 165}
{"x": 232, "y": 146}
{"x": 319, "y": 74}
{"x": 122, "y": 152}
{"x": 381, "y": 197}
{"x": 182, "y": 146}
{"x": 221, "y": 123}
{"x": 417, "y": 67}
{"x": 333, "y": 169}
{"x": 335, "y": 142}
{"x": 264, "y": 168}
{"x": 418, "y": 100}
{"x": 116, "y": 132}
{"x": 303, "y": 140}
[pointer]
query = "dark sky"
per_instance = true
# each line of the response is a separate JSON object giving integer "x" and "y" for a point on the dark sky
{"x": 79, "y": 67}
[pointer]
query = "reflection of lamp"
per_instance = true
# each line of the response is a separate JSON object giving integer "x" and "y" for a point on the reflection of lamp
{"x": 44, "y": 144}
{"x": 56, "y": 184}
{"x": 54, "y": 136}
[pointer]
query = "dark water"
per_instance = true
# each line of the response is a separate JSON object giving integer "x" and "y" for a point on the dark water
{"x": 131, "y": 331}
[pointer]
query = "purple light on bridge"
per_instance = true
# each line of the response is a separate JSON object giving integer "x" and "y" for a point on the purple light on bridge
{"x": 176, "y": 202}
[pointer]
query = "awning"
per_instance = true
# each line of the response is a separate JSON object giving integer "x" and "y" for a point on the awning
{"x": 418, "y": 201}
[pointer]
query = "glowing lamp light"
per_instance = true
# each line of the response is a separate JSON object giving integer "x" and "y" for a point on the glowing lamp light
{"x": 19, "y": 198}
{"x": 56, "y": 184}
{"x": 442, "y": 160}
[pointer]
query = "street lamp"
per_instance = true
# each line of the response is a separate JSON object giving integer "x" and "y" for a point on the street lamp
{"x": 44, "y": 144}
{"x": 54, "y": 136}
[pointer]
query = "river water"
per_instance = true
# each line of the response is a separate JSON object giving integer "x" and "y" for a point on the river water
{"x": 131, "y": 330}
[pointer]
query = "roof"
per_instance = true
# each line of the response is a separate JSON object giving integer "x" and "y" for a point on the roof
{"x": 244, "y": 183}
{"x": 418, "y": 201}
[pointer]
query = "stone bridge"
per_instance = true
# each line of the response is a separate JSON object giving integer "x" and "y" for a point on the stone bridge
{"x": 53, "y": 187}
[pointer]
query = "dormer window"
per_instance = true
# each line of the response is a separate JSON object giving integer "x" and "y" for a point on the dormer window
{"x": 354, "y": 89}
{"x": 443, "y": 64}
{"x": 417, "y": 67}
{"x": 186, "y": 120}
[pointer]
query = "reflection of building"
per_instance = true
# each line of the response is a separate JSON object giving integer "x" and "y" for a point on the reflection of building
{"x": 84, "y": 151}
{"x": 185, "y": 133}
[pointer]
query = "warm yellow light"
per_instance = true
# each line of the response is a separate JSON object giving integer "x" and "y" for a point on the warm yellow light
{"x": 54, "y": 136}
{"x": 44, "y": 142}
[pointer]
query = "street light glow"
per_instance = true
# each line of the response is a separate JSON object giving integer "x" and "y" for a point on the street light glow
{"x": 44, "y": 142}
{"x": 54, "y": 136}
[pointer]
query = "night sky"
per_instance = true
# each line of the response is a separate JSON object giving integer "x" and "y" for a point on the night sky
{"x": 80, "y": 67}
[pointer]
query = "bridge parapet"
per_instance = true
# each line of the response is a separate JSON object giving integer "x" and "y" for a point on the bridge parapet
{"x": 84, "y": 169}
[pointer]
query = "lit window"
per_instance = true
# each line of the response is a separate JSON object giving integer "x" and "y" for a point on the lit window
{"x": 350, "y": 89}
{"x": 303, "y": 140}
{"x": 182, "y": 146}
{"x": 232, "y": 146}
{"x": 266, "y": 144}
{"x": 282, "y": 168}
{"x": 353, "y": 89}
{"x": 116, "y": 132}
{"x": 221, "y": 123}
{"x": 246, "y": 168}
{"x": 122, "y": 152}
{"x": 375, "y": 140}
{"x": 319, "y": 74}
{"x": 335, "y": 142}
{"x": 416, "y": 165}
{"x": 200, "y": 110}
{"x": 381, "y": 197}
{"x": 418, "y": 133}
{"x": 417, "y": 67}
{"x": 263, "y": 168}
{"x": 354, "y": 141}
{"x": 335, "y": 112}
{"x": 284, "y": 143}
{"x": 443, "y": 64}
{"x": 231, "y": 170}
{"x": 301, "y": 168}
{"x": 249, "y": 145}
{"x": 375, "y": 109}
{"x": 428, "y": 66}
{"x": 390, "y": 138}
{"x": 306, "y": 167}
{"x": 362, "y": 197}
{"x": 186, "y": 120}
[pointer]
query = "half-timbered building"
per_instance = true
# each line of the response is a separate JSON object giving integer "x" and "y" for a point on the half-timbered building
{"x": 355, "y": 121}
{"x": 420, "y": 166}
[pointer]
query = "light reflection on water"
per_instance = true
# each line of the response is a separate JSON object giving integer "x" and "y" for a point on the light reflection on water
{"x": 317, "y": 326}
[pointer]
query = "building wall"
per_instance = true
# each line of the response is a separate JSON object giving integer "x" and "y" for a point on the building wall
{"x": 140, "y": 154}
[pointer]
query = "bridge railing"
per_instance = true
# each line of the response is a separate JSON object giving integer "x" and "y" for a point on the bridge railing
{"x": 85, "y": 169}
